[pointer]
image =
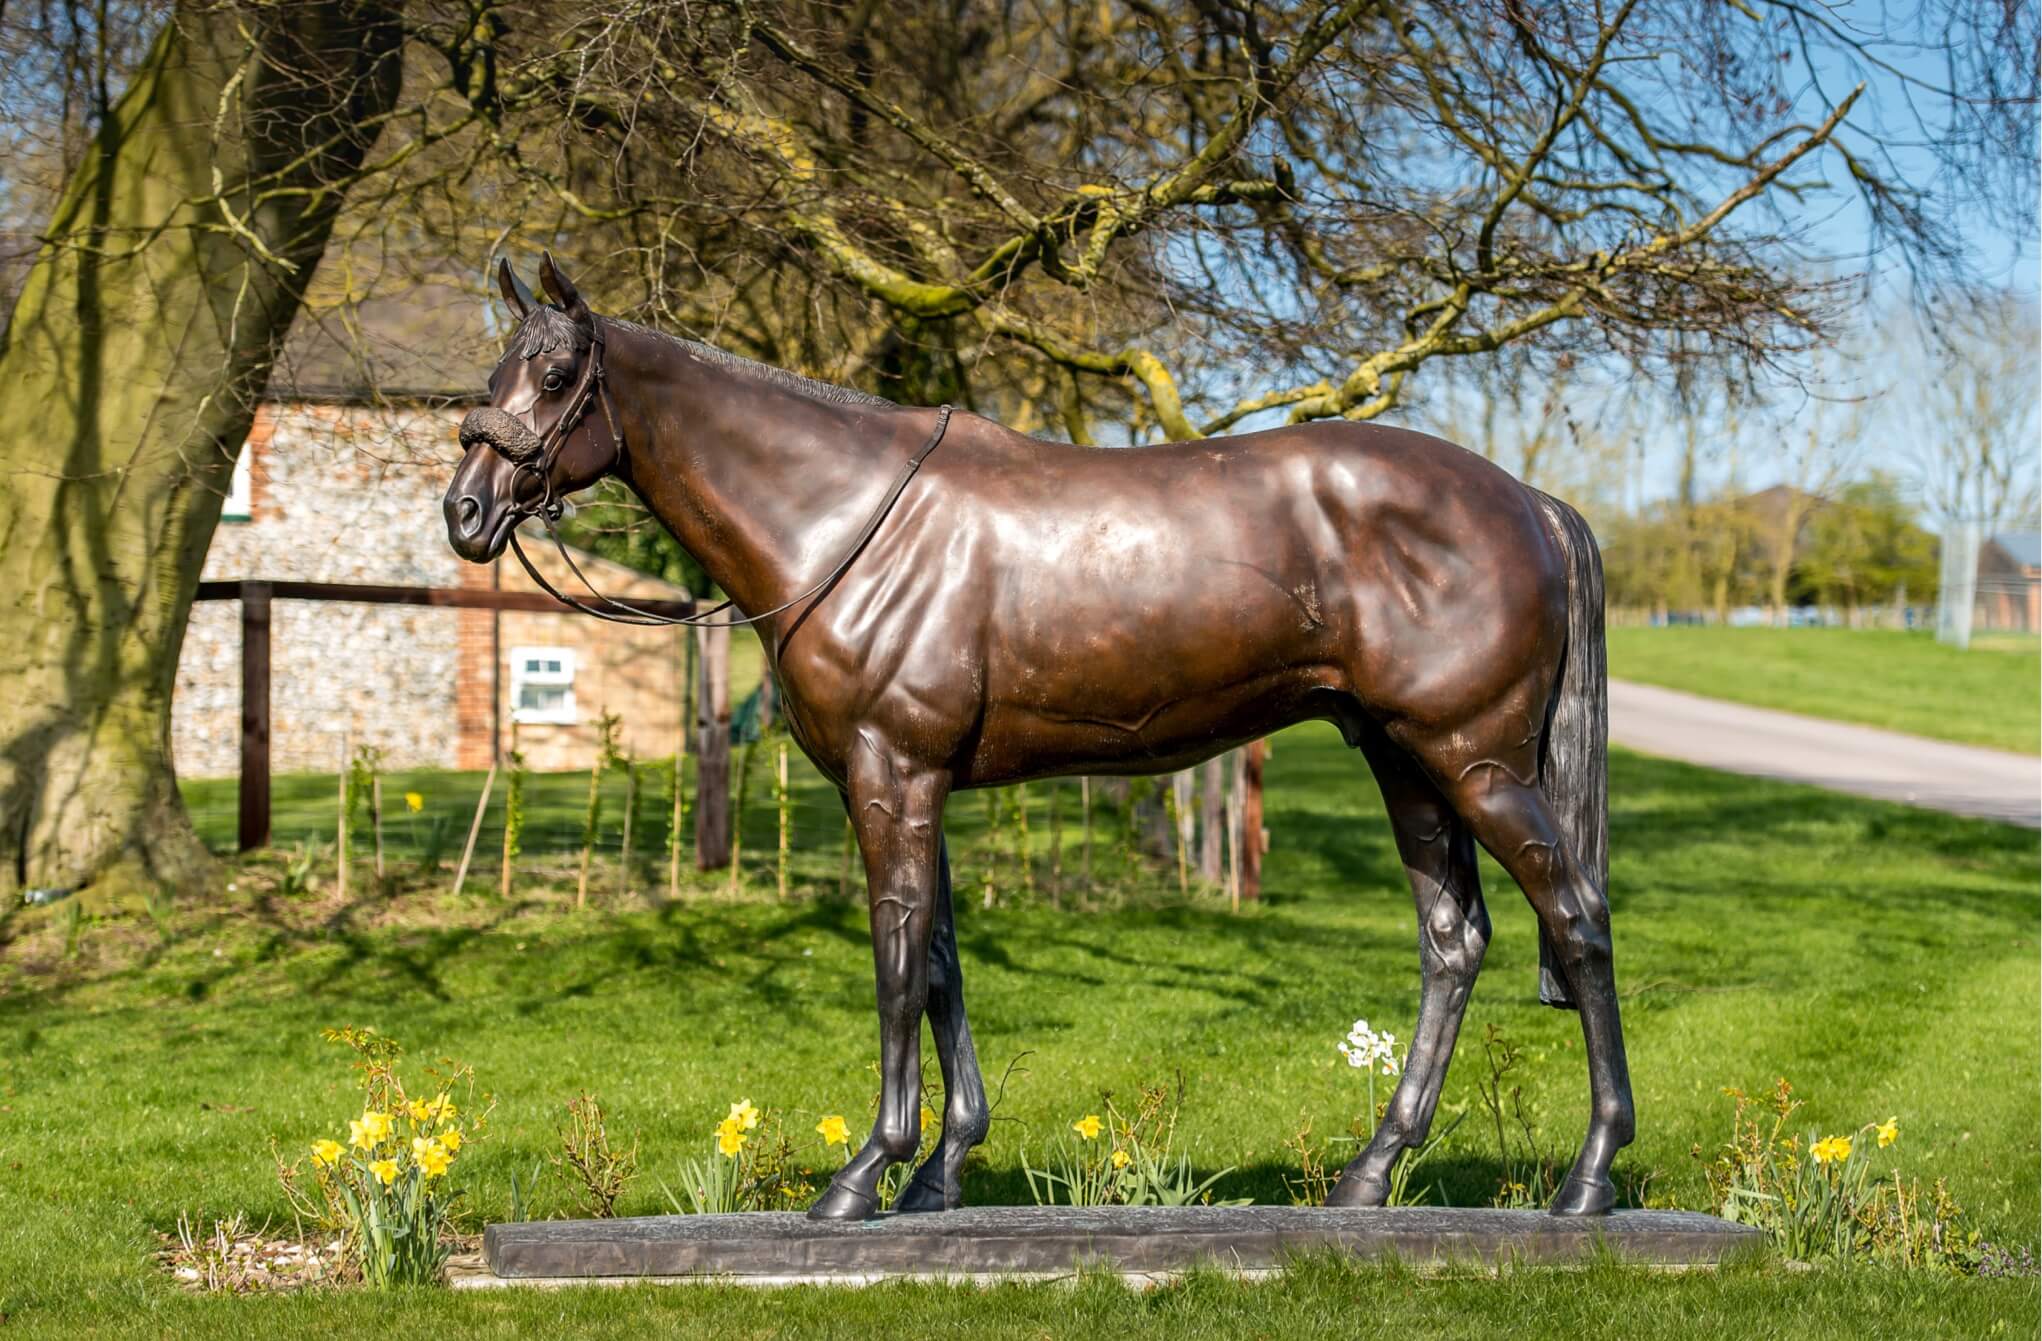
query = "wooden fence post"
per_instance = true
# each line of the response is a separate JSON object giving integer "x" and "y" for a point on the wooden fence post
{"x": 376, "y": 820}
{"x": 1056, "y": 847}
{"x": 680, "y": 817}
{"x": 1185, "y": 820}
{"x": 712, "y": 752}
{"x": 630, "y": 813}
{"x": 780, "y": 796}
{"x": 340, "y": 825}
{"x": 254, "y": 822}
{"x": 1234, "y": 837}
{"x": 1212, "y": 818}
{"x": 1253, "y": 756}
{"x": 1085, "y": 818}
{"x": 475, "y": 827}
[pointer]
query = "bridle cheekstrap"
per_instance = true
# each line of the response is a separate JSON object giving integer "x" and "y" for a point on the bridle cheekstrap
{"x": 595, "y": 385}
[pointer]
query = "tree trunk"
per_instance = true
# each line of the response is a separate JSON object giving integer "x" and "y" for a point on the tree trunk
{"x": 712, "y": 751}
{"x": 1785, "y": 549}
{"x": 142, "y": 339}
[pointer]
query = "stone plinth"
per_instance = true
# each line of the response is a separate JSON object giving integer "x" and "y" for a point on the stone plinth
{"x": 1048, "y": 1241}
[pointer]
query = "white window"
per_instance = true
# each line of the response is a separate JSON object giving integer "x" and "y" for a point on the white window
{"x": 239, "y": 496}
{"x": 542, "y": 684}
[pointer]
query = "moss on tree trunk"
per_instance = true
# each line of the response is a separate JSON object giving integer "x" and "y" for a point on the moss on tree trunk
{"x": 141, "y": 341}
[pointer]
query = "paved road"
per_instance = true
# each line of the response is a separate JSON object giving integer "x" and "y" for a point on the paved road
{"x": 1863, "y": 760}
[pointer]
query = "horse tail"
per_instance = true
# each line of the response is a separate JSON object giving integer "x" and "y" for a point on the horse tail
{"x": 1574, "y": 763}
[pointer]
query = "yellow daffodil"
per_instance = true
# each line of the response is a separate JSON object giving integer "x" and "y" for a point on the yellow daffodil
{"x": 1830, "y": 1149}
{"x": 927, "y": 1117}
{"x": 1087, "y": 1126}
{"x": 432, "y": 1157}
{"x": 834, "y": 1130}
{"x": 437, "y": 1109}
{"x": 368, "y": 1131}
{"x": 451, "y": 1138}
{"x": 744, "y": 1115}
{"x": 1121, "y": 1159}
{"x": 414, "y": 802}
{"x": 327, "y": 1153}
{"x": 730, "y": 1137}
{"x": 1889, "y": 1132}
{"x": 385, "y": 1171}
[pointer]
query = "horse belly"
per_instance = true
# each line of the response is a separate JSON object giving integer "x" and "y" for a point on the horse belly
{"x": 1153, "y": 650}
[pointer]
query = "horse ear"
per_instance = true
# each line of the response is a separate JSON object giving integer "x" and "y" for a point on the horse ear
{"x": 514, "y": 291}
{"x": 556, "y": 283}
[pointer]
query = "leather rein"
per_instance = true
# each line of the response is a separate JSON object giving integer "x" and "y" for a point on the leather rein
{"x": 594, "y": 388}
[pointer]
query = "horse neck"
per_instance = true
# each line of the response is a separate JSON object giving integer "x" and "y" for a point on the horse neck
{"x": 761, "y": 482}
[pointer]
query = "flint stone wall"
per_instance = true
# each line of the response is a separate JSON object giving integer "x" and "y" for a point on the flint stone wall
{"x": 352, "y": 494}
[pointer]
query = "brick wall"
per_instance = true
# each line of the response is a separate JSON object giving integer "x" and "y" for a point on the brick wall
{"x": 475, "y": 681}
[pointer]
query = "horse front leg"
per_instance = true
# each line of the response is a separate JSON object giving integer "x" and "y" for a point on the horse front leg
{"x": 938, "y": 1184}
{"x": 897, "y": 814}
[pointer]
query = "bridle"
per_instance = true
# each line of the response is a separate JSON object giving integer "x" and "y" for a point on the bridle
{"x": 594, "y": 388}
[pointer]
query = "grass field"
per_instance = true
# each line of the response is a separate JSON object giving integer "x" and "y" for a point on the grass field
{"x": 1990, "y": 695}
{"x": 1882, "y": 958}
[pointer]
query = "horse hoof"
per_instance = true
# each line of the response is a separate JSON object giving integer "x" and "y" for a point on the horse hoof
{"x": 921, "y": 1197}
{"x": 1359, "y": 1191}
{"x": 1579, "y": 1197}
{"x": 844, "y": 1203}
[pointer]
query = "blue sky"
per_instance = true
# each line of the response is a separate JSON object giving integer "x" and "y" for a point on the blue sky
{"x": 2004, "y": 254}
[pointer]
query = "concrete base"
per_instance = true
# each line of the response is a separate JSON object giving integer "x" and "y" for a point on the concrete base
{"x": 1008, "y": 1242}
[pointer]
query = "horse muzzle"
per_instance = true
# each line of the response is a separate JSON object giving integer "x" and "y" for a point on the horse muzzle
{"x": 481, "y": 504}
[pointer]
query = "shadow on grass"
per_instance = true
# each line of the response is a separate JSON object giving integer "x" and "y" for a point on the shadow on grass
{"x": 1456, "y": 1179}
{"x": 1331, "y": 841}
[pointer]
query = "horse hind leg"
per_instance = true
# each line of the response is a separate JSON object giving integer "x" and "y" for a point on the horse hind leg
{"x": 938, "y": 1183}
{"x": 1438, "y": 853}
{"x": 1514, "y": 820}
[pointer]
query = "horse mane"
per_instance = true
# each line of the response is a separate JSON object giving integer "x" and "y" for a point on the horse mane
{"x": 547, "y": 328}
{"x": 753, "y": 370}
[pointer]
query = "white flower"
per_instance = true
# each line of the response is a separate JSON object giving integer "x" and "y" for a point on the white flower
{"x": 1364, "y": 1047}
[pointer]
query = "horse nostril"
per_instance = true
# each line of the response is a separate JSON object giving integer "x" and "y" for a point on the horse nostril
{"x": 469, "y": 513}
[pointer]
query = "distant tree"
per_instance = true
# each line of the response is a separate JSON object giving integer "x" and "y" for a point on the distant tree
{"x": 1974, "y": 410}
{"x": 1822, "y": 447}
{"x": 1864, "y": 547}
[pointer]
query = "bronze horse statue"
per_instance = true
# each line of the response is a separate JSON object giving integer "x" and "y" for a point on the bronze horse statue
{"x": 1018, "y": 609}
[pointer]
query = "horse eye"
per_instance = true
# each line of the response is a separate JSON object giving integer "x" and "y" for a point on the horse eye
{"x": 555, "y": 379}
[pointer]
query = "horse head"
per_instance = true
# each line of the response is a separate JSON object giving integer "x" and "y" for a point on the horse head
{"x": 547, "y": 430}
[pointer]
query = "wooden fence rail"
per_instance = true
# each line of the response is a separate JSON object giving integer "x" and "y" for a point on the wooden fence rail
{"x": 255, "y": 598}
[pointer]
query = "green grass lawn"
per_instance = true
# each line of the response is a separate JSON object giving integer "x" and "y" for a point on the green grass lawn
{"x": 1990, "y": 695}
{"x": 1884, "y": 959}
